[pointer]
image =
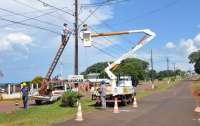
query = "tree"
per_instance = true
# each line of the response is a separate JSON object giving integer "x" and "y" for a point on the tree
{"x": 37, "y": 80}
{"x": 132, "y": 66}
{"x": 96, "y": 68}
{"x": 195, "y": 59}
{"x": 197, "y": 66}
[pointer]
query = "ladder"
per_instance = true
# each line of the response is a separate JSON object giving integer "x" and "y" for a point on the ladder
{"x": 65, "y": 39}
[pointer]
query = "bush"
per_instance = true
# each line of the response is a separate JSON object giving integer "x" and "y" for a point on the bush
{"x": 70, "y": 99}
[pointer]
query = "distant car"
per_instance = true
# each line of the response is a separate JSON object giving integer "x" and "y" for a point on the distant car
{"x": 2, "y": 90}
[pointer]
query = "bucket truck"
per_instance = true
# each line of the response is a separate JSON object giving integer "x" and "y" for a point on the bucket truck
{"x": 120, "y": 86}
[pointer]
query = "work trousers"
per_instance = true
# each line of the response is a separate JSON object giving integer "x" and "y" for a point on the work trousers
{"x": 103, "y": 102}
{"x": 25, "y": 101}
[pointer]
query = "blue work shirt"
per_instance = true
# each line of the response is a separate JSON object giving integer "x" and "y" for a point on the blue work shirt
{"x": 24, "y": 91}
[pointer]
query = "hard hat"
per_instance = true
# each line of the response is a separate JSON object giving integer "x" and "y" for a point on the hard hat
{"x": 24, "y": 84}
{"x": 102, "y": 82}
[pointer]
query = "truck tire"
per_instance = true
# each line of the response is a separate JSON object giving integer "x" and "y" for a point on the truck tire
{"x": 38, "y": 102}
{"x": 123, "y": 100}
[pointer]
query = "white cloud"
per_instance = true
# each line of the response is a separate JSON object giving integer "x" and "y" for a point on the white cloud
{"x": 197, "y": 39}
{"x": 9, "y": 42}
{"x": 170, "y": 45}
{"x": 188, "y": 45}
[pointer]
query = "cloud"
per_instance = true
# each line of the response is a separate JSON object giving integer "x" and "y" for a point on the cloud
{"x": 197, "y": 39}
{"x": 170, "y": 45}
{"x": 188, "y": 45}
{"x": 13, "y": 41}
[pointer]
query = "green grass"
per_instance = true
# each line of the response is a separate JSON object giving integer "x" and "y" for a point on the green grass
{"x": 159, "y": 88}
{"x": 42, "y": 115}
{"x": 196, "y": 85}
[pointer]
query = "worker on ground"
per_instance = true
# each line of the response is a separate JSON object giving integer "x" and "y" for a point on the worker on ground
{"x": 92, "y": 91}
{"x": 75, "y": 89}
{"x": 24, "y": 91}
{"x": 102, "y": 92}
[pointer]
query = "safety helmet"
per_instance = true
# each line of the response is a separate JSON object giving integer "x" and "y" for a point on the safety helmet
{"x": 102, "y": 82}
{"x": 24, "y": 84}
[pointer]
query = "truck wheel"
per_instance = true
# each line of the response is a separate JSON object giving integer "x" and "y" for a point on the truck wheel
{"x": 123, "y": 102}
{"x": 38, "y": 102}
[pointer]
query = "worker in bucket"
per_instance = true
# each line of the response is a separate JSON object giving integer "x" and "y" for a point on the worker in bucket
{"x": 24, "y": 91}
{"x": 102, "y": 92}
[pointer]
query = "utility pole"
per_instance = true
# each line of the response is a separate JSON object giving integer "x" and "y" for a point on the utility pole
{"x": 167, "y": 60}
{"x": 174, "y": 67}
{"x": 76, "y": 39}
{"x": 175, "y": 70}
{"x": 152, "y": 77}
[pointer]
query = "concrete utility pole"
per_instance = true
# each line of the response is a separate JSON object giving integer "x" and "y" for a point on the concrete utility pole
{"x": 167, "y": 60}
{"x": 175, "y": 70}
{"x": 8, "y": 89}
{"x": 76, "y": 39}
{"x": 152, "y": 77}
{"x": 174, "y": 67}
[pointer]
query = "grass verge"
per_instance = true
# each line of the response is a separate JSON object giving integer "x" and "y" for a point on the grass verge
{"x": 162, "y": 86}
{"x": 196, "y": 85}
{"x": 43, "y": 115}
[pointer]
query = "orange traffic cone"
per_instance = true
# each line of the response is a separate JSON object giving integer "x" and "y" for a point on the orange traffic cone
{"x": 79, "y": 116}
{"x": 116, "y": 109}
{"x": 135, "y": 105}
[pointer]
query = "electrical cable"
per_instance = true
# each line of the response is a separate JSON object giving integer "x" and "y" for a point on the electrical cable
{"x": 47, "y": 4}
{"x": 30, "y": 25}
{"x": 91, "y": 13}
{"x": 149, "y": 12}
{"x": 27, "y": 5}
{"x": 103, "y": 51}
{"x": 104, "y": 3}
{"x": 29, "y": 18}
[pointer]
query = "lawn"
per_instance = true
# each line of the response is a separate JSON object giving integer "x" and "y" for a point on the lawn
{"x": 162, "y": 86}
{"x": 196, "y": 85}
{"x": 196, "y": 89}
{"x": 42, "y": 115}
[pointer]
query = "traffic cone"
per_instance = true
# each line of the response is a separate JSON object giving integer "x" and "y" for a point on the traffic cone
{"x": 16, "y": 103}
{"x": 135, "y": 105}
{"x": 79, "y": 116}
{"x": 116, "y": 109}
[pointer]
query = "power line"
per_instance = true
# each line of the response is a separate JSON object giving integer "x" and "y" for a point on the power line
{"x": 103, "y": 51}
{"x": 30, "y": 25}
{"x": 30, "y": 12}
{"x": 91, "y": 13}
{"x": 47, "y": 4}
{"x": 29, "y": 18}
{"x": 27, "y": 5}
{"x": 150, "y": 12}
{"x": 106, "y": 2}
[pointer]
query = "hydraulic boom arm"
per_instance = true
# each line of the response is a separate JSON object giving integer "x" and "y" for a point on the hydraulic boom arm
{"x": 149, "y": 35}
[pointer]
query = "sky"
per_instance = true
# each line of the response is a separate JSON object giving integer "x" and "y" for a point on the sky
{"x": 26, "y": 51}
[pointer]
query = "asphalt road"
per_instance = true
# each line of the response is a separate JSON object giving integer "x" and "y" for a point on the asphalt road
{"x": 173, "y": 107}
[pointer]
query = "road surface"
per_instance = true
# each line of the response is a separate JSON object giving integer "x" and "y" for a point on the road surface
{"x": 173, "y": 107}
